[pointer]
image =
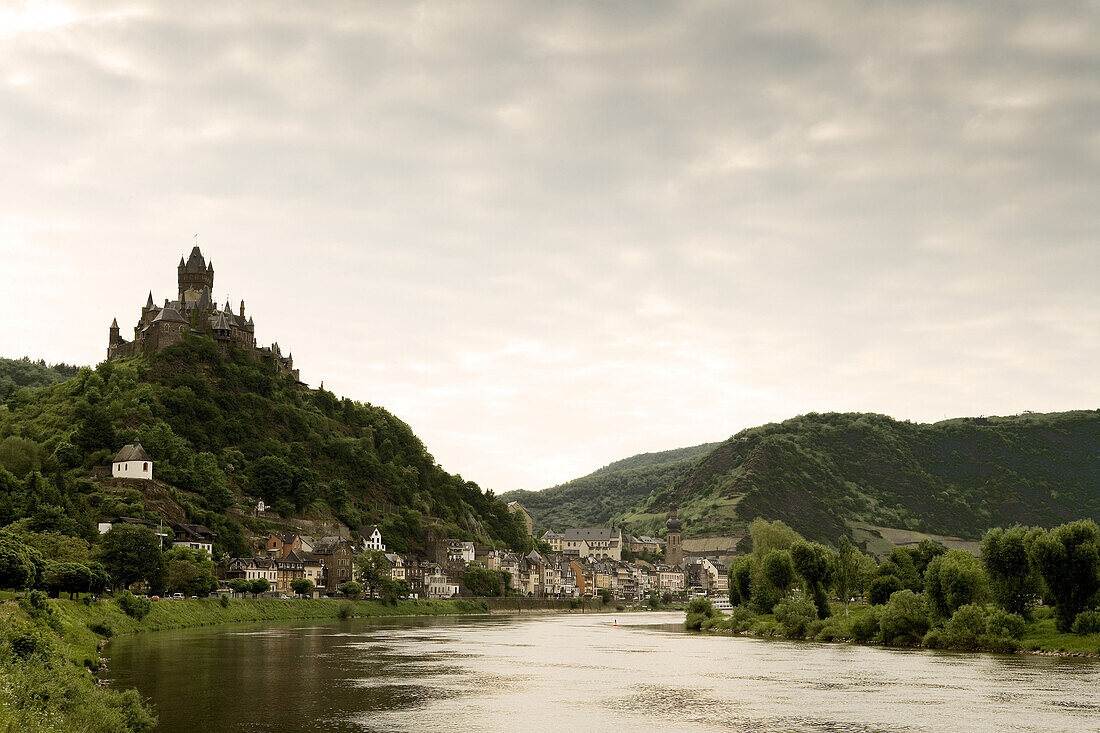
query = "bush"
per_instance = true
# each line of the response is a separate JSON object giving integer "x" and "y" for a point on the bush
{"x": 794, "y": 615}
{"x": 1005, "y": 624}
{"x": 133, "y": 606}
{"x": 103, "y": 627}
{"x": 224, "y": 601}
{"x": 620, "y": 607}
{"x": 741, "y": 618}
{"x": 904, "y": 619}
{"x": 1087, "y": 622}
{"x": 346, "y": 610}
{"x": 27, "y": 641}
{"x": 965, "y": 629}
{"x": 866, "y": 627}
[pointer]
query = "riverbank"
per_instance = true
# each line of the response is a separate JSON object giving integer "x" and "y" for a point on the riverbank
{"x": 860, "y": 625}
{"x": 50, "y": 651}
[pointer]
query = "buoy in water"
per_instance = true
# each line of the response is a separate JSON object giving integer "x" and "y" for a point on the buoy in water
{"x": 616, "y": 622}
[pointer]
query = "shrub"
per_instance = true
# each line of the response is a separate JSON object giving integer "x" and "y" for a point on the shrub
{"x": 866, "y": 627}
{"x": 794, "y": 615}
{"x": 224, "y": 601}
{"x": 27, "y": 640}
{"x": 966, "y": 628}
{"x": 1087, "y": 622}
{"x": 133, "y": 606}
{"x": 620, "y": 607}
{"x": 1005, "y": 624}
{"x": 741, "y": 618}
{"x": 346, "y": 610}
{"x": 103, "y": 627}
{"x": 904, "y": 619}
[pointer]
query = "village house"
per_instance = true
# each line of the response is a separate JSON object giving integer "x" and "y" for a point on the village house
{"x": 554, "y": 539}
{"x": 253, "y": 568}
{"x": 397, "y": 566}
{"x": 337, "y": 555}
{"x": 459, "y": 551}
{"x": 644, "y": 543}
{"x": 670, "y": 579}
{"x": 439, "y": 586}
{"x": 193, "y": 536}
{"x": 281, "y": 544}
{"x": 528, "y": 521}
{"x": 370, "y": 539}
{"x": 107, "y": 525}
{"x": 594, "y": 542}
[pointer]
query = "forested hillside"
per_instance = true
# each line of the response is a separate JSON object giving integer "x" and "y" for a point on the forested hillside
{"x": 956, "y": 477}
{"x": 220, "y": 428}
{"x": 604, "y": 494}
{"x": 16, "y": 374}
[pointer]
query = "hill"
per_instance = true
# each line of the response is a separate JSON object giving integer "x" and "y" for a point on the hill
{"x": 820, "y": 473}
{"x": 223, "y": 430}
{"x": 16, "y": 374}
{"x": 603, "y": 495}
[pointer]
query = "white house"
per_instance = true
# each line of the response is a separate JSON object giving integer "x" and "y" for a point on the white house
{"x": 132, "y": 462}
{"x": 459, "y": 551}
{"x": 370, "y": 539}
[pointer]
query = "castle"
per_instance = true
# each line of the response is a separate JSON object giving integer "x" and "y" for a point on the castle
{"x": 194, "y": 312}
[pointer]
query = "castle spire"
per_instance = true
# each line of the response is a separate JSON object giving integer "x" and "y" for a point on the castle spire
{"x": 149, "y": 303}
{"x": 114, "y": 324}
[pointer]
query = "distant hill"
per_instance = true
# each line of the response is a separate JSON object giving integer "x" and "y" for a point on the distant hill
{"x": 16, "y": 374}
{"x": 214, "y": 421}
{"x": 821, "y": 472}
{"x": 603, "y": 495}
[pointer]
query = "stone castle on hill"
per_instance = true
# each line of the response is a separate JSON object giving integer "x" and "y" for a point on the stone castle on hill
{"x": 194, "y": 312}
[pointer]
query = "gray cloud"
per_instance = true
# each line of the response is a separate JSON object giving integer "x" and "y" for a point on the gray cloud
{"x": 551, "y": 235}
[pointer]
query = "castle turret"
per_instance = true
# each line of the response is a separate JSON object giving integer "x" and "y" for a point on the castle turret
{"x": 194, "y": 275}
{"x": 674, "y": 551}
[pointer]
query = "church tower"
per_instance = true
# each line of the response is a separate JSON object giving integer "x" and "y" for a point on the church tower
{"x": 195, "y": 277}
{"x": 674, "y": 552}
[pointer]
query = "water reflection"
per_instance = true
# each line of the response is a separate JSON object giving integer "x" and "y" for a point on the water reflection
{"x": 583, "y": 672}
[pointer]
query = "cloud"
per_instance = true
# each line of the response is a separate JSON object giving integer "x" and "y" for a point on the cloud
{"x": 553, "y": 235}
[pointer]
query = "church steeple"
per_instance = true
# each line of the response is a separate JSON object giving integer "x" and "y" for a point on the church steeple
{"x": 194, "y": 275}
{"x": 674, "y": 551}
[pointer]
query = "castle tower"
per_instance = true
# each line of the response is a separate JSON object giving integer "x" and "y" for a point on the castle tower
{"x": 674, "y": 551}
{"x": 195, "y": 276}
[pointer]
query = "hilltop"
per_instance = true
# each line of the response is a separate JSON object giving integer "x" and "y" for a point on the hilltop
{"x": 603, "y": 495}
{"x": 224, "y": 428}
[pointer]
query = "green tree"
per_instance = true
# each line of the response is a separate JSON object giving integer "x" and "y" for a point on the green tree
{"x": 772, "y": 580}
{"x": 67, "y": 577}
{"x": 371, "y": 568}
{"x": 21, "y": 566}
{"x": 131, "y": 553}
{"x": 741, "y": 572}
{"x": 481, "y": 581}
{"x": 847, "y": 570}
{"x": 272, "y": 478}
{"x": 768, "y": 536}
{"x": 302, "y": 586}
{"x": 904, "y": 619}
{"x": 953, "y": 580}
{"x": 208, "y": 479}
{"x": 814, "y": 564}
{"x": 1013, "y": 580}
{"x": 350, "y": 588}
{"x": 1068, "y": 559}
{"x": 190, "y": 572}
{"x": 240, "y": 585}
{"x": 259, "y": 586}
{"x": 882, "y": 587}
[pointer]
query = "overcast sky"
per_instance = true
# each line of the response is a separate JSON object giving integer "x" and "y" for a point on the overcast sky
{"x": 552, "y": 235}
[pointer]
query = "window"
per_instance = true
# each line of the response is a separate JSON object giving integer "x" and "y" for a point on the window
{"x": 145, "y": 467}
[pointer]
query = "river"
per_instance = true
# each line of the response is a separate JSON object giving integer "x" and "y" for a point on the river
{"x": 630, "y": 672}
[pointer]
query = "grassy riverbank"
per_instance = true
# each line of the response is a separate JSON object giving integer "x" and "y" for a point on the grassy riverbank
{"x": 50, "y": 649}
{"x": 862, "y": 625}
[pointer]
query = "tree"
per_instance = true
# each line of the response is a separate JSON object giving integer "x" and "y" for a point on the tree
{"x": 771, "y": 581}
{"x": 21, "y": 566}
{"x": 272, "y": 478}
{"x": 66, "y": 577}
{"x": 259, "y": 586}
{"x": 741, "y": 570}
{"x": 350, "y": 588}
{"x": 481, "y": 581}
{"x": 131, "y": 553}
{"x": 953, "y": 580}
{"x": 882, "y": 587}
{"x": 240, "y": 585}
{"x": 302, "y": 586}
{"x": 847, "y": 571}
{"x": 814, "y": 563}
{"x": 1068, "y": 559}
{"x": 371, "y": 568}
{"x": 1013, "y": 580}
{"x": 98, "y": 579}
{"x": 904, "y": 618}
{"x": 767, "y": 536}
{"x": 190, "y": 572}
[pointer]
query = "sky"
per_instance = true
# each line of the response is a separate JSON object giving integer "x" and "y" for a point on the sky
{"x": 552, "y": 235}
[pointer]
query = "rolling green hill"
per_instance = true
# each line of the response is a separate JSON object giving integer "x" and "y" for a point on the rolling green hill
{"x": 821, "y": 472}
{"x": 606, "y": 493}
{"x": 223, "y": 430}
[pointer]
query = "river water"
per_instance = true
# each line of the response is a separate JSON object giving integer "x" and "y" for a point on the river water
{"x": 630, "y": 672}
